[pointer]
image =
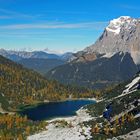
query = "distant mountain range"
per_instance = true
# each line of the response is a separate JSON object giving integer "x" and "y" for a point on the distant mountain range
{"x": 113, "y": 58}
{"x": 39, "y": 61}
{"x": 19, "y": 55}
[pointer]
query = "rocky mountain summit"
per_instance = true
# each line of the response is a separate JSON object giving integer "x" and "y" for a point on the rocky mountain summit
{"x": 121, "y": 35}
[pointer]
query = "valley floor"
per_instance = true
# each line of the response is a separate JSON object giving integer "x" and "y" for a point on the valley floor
{"x": 69, "y": 128}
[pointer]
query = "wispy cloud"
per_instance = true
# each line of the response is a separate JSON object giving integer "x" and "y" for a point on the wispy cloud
{"x": 23, "y": 35}
{"x": 93, "y": 25}
{"x": 39, "y": 35}
{"x": 67, "y": 12}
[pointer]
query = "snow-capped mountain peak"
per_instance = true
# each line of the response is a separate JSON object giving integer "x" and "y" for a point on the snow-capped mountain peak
{"x": 123, "y": 22}
{"x": 121, "y": 35}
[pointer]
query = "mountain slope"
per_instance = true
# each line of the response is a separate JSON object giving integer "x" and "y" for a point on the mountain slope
{"x": 124, "y": 104}
{"x": 113, "y": 58}
{"x": 98, "y": 73}
{"x": 41, "y": 65}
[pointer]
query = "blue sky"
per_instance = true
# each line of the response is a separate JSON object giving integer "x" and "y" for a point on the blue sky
{"x": 62, "y": 25}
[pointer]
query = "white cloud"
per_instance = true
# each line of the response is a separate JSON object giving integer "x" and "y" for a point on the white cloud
{"x": 93, "y": 25}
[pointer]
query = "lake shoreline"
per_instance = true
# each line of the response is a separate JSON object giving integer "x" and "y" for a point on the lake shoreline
{"x": 29, "y": 106}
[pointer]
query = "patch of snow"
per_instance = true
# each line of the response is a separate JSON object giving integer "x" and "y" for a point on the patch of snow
{"x": 133, "y": 83}
{"x": 121, "y": 53}
{"x": 108, "y": 55}
{"x": 138, "y": 115}
{"x": 114, "y": 138}
{"x": 116, "y": 31}
{"x": 77, "y": 70}
{"x": 130, "y": 88}
{"x": 53, "y": 72}
{"x": 125, "y": 93}
{"x": 116, "y": 25}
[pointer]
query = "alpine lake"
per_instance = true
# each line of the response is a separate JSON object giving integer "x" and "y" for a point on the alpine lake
{"x": 52, "y": 110}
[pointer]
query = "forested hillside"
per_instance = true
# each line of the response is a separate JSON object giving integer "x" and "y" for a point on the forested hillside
{"x": 20, "y": 86}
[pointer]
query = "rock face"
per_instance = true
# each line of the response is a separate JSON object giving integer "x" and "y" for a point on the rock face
{"x": 121, "y": 35}
{"x": 113, "y": 58}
